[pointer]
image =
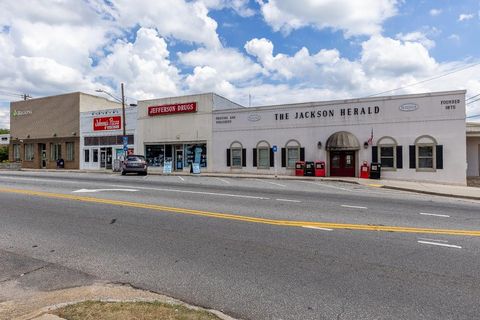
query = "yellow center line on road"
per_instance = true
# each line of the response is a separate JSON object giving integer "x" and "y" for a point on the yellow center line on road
{"x": 226, "y": 216}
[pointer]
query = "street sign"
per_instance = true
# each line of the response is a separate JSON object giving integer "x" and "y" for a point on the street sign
{"x": 125, "y": 148}
{"x": 125, "y": 141}
{"x": 274, "y": 148}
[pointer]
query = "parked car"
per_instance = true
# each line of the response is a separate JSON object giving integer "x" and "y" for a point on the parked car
{"x": 134, "y": 163}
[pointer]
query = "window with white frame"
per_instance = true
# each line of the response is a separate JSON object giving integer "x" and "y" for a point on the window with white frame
{"x": 292, "y": 153}
{"x": 387, "y": 153}
{"x": 16, "y": 152}
{"x": 425, "y": 153}
{"x": 55, "y": 151}
{"x": 263, "y": 155}
{"x": 236, "y": 158}
{"x": 70, "y": 151}
{"x": 29, "y": 153}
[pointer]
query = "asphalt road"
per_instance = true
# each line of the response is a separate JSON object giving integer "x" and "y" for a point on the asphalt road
{"x": 254, "y": 248}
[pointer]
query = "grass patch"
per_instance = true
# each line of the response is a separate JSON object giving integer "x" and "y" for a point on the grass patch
{"x": 97, "y": 310}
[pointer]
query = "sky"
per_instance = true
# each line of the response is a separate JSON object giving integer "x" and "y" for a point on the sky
{"x": 254, "y": 52}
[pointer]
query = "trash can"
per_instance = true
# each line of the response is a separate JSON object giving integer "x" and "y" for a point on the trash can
{"x": 364, "y": 170}
{"x": 309, "y": 169}
{"x": 375, "y": 170}
{"x": 299, "y": 168}
{"x": 60, "y": 164}
{"x": 319, "y": 168}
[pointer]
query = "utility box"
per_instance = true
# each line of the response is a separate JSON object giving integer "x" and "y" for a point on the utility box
{"x": 309, "y": 168}
{"x": 299, "y": 168}
{"x": 375, "y": 170}
{"x": 320, "y": 169}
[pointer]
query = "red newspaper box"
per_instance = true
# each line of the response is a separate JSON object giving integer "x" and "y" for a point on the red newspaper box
{"x": 320, "y": 169}
{"x": 364, "y": 170}
{"x": 299, "y": 168}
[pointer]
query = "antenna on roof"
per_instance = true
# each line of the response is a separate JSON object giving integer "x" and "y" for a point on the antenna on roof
{"x": 26, "y": 96}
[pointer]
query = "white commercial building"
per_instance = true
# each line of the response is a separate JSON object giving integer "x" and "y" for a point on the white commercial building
{"x": 178, "y": 130}
{"x": 4, "y": 139}
{"x": 101, "y": 137}
{"x": 420, "y": 137}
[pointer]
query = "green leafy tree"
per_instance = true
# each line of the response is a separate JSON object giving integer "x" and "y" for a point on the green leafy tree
{"x": 3, "y": 154}
{"x": 3, "y": 131}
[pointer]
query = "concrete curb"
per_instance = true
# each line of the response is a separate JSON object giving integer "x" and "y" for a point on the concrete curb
{"x": 131, "y": 294}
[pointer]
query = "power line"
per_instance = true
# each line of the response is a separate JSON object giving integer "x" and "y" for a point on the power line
{"x": 470, "y": 102}
{"x": 474, "y": 116}
{"x": 472, "y": 97}
{"x": 426, "y": 80}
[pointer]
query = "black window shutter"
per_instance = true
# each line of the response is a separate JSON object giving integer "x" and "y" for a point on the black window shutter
{"x": 412, "y": 157}
{"x": 228, "y": 157}
{"x": 439, "y": 153}
{"x": 244, "y": 157}
{"x": 399, "y": 157}
{"x": 272, "y": 158}
{"x": 374, "y": 154}
{"x": 302, "y": 154}
{"x": 284, "y": 157}
{"x": 254, "y": 157}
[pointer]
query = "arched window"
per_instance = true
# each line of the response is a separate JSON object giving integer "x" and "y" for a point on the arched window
{"x": 425, "y": 151}
{"x": 236, "y": 154}
{"x": 292, "y": 153}
{"x": 387, "y": 153}
{"x": 263, "y": 155}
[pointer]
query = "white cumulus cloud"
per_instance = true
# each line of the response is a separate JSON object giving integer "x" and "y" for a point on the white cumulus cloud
{"x": 352, "y": 17}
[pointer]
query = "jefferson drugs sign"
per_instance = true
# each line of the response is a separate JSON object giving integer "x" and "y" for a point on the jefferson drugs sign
{"x": 172, "y": 108}
{"x": 107, "y": 123}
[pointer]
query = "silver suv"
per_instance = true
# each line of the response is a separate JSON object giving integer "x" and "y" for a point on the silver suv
{"x": 134, "y": 163}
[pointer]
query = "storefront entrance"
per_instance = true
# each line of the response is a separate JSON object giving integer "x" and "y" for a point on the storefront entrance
{"x": 43, "y": 155}
{"x": 179, "y": 158}
{"x": 342, "y": 147}
{"x": 342, "y": 163}
{"x": 106, "y": 158}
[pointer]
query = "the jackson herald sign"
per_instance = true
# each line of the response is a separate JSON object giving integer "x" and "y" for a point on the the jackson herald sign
{"x": 107, "y": 123}
{"x": 172, "y": 108}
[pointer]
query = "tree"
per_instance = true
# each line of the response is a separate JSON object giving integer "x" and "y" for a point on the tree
{"x": 4, "y": 131}
{"x": 3, "y": 154}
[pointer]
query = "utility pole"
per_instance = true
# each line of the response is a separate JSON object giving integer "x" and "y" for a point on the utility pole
{"x": 124, "y": 122}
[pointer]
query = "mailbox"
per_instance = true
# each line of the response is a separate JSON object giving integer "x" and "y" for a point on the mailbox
{"x": 299, "y": 168}
{"x": 375, "y": 170}
{"x": 309, "y": 168}
{"x": 320, "y": 169}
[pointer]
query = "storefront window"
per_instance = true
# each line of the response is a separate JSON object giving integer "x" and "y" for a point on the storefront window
{"x": 29, "y": 152}
{"x": 155, "y": 155}
{"x": 86, "y": 155}
{"x": 16, "y": 152}
{"x": 263, "y": 155}
{"x": 70, "y": 151}
{"x": 425, "y": 150}
{"x": 55, "y": 151}
{"x": 292, "y": 153}
{"x": 95, "y": 155}
{"x": 196, "y": 153}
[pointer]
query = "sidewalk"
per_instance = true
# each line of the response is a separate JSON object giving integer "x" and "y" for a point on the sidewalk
{"x": 446, "y": 190}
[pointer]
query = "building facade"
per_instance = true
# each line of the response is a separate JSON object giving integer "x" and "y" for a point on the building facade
{"x": 46, "y": 130}
{"x": 101, "y": 137}
{"x": 4, "y": 139}
{"x": 178, "y": 131}
{"x": 417, "y": 137}
{"x": 473, "y": 149}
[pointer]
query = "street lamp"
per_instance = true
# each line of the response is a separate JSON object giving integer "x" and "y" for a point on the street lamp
{"x": 122, "y": 100}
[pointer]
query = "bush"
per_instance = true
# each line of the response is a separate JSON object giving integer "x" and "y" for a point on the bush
{"x": 3, "y": 154}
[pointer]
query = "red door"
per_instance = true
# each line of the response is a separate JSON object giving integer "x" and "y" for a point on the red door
{"x": 342, "y": 163}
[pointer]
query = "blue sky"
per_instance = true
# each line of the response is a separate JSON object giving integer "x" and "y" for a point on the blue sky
{"x": 276, "y": 51}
